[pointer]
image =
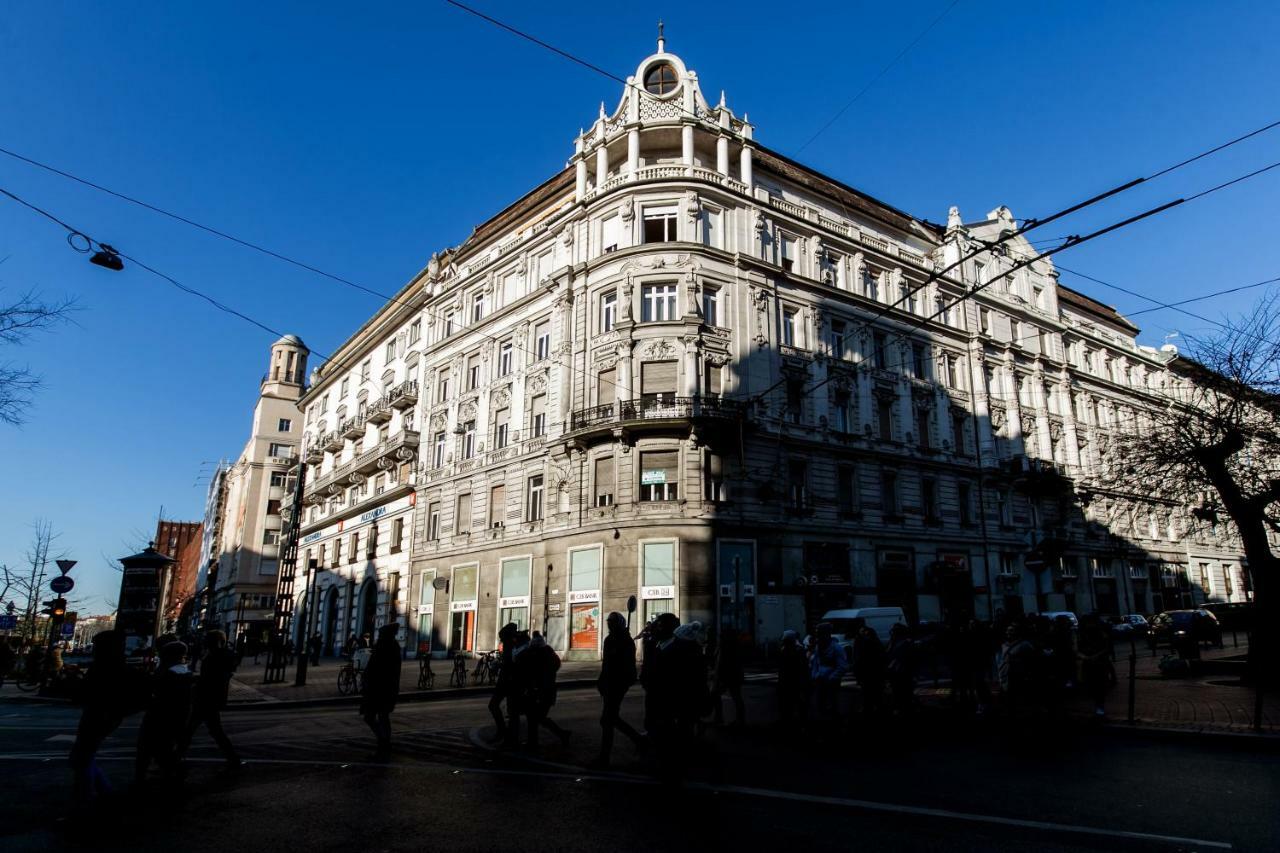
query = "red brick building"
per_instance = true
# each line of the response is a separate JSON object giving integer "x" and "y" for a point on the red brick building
{"x": 181, "y": 541}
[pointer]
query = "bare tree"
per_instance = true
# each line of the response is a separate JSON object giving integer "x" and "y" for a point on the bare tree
{"x": 39, "y": 553}
{"x": 1214, "y": 443}
{"x": 20, "y": 319}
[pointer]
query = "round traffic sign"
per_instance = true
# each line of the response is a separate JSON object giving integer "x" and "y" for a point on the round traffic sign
{"x": 62, "y": 584}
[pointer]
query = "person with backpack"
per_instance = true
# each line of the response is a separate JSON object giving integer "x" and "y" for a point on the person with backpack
{"x": 537, "y": 666}
{"x": 164, "y": 724}
{"x": 617, "y": 674}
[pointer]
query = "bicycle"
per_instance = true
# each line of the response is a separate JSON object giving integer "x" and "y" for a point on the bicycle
{"x": 349, "y": 679}
{"x": 458, "y": 677}
{"x": 486, "y": 668}
{"x": 426, "y": 678}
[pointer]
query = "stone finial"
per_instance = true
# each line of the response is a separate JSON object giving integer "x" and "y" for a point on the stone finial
{"x": 953, "y": 219}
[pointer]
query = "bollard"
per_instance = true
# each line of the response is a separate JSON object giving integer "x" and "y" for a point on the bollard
{"x": 1133, "y": 663}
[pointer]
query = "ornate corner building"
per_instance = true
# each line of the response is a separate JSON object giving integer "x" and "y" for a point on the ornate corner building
{"x": 693, "y": 371}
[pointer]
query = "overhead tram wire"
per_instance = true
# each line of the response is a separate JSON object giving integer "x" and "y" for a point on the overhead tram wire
{"x": 1069, "y": 244}
{"x": 876, "y": 79}
{"x": 73, "y": 231}
{"x": 1213, "y": 295}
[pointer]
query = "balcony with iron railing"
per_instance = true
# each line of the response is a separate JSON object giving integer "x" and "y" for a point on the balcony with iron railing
{"x": 404, "y": 395}
{"x": 378, "y": 412}
{"x": 332, "y": 441}
{"x": 659, "y": 411}
{"x": 353, "y": 428}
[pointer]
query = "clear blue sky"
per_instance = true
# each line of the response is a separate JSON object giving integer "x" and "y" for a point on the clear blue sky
{"x": 361, "y": 137}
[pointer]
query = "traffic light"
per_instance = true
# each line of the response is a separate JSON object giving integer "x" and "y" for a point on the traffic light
{"x": 55, "y": 609}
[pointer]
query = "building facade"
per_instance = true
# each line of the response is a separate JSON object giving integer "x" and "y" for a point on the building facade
{"x": 247, "y": 498}
{"x": 690, "y": 370}
{"x": 181, "y": 541}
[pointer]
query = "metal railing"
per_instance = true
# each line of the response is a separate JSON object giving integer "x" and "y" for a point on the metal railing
{"x": 660, "y": 408}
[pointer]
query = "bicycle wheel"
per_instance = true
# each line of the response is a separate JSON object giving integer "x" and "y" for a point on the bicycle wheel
{"x": 344, "y": 681}
{"x": 26, "y": 684}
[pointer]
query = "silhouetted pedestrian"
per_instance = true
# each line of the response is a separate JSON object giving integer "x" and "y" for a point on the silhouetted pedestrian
{"x": 209, "y": 697}
{"x": 1096, "y": 674}
{"x": 870, "y": 669}
{"x": 164, "y": 724}
{"x": 108, "y": 691}
{"x": 504, "y": 689}
{"x": 793, "y": 679}
{"x": 729, "y": 676}
{"x": 313, "y": 648}
{"x": 901, "y": 668}
{"x": 536, "y": 668}
{"x": 7, "y": 658}
{"x": 1017, "y": 670}
{"x": 617, "y": 674}
{"x": 978, "y": 653}
{"x": 381, "y": 687}
{"x": 827, "y": 666}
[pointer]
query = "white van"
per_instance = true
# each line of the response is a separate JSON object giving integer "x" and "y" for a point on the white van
{"x": 844, "y": 623}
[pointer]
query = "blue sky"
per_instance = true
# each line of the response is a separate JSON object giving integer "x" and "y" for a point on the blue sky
{"x": 362, "y": 137}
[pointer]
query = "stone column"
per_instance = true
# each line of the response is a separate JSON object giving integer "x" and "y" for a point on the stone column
{"x": 722, "y": 154}
{"x": 690, "y": 385}
{"x": 985, "y": 436}
{"x": 745, "y": 166}
{"x": 1009, "y": 379}
{"x": 1044, "y": 438}
{"x": 580, "y": 179}
{"x": 633, "y": 150}
{"x": 686, "y": 144}
{"x": 602, "y": 165}
{"x": 1069, "y": 425}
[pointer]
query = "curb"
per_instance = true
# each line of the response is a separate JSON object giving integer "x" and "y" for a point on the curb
{"x": 1252, "y": 741}
{"x": 408, "y": 696}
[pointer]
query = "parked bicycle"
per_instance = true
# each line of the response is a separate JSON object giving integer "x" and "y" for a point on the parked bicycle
{"x": 349, "y": 679}
{"x": 426, "y": 678}
{"x": 486, "y": 670}
{"x": 458, "y": 677}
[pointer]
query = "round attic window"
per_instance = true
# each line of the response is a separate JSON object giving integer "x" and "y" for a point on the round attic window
{"x": 661, "y": 79}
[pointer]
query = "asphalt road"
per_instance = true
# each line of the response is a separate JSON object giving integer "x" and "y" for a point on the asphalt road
{"x": 311, "y": 784}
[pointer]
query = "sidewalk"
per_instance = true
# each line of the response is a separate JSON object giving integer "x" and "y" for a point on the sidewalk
{"x": 247, "y": 689}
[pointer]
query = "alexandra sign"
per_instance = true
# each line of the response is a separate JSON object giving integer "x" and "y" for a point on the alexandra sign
{"x": 360, "y": 520}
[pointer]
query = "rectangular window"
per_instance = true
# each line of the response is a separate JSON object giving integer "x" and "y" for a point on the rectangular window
{"x": 984, "y": 320}
{"x": 344, "y": 387}
{"x": 542, "y": 340}
{"x": 477, "y": 307}
{"x": 280, "y": 451}
{"x": 437, "y": 451}
{"x": 277, "y": 479}
{"x": 604, "y": 481}
{"x": 366, "y": 369}
{"x": 468, "y": 439}
{"x": 608, "y": 311}
{"x": 657, "y": 382}
{"x": 838, "y": 331}
{"x": 787, "y": 253}
{"x": 497, "y": 506}
{"x": 504, "y": 358}
{"x": 884, "y": 419}
{"x": 462, "y": 513}
{"x": 847, "y": 489}
{"x": 390, "y": 354}
{"x": 450, "y": 324}
{"x": 285, "y": 425}
{"x": 911, "y": 302}
{"x": 957, "y": 433}
{"x": 922, "y": 428}
{"x": 353, "y": 547}
{"x": 795, "y": 400}
{"x": 324, "y": 404}
{"x": 607, "y": 387}
{"x": 473, "y": 371}
{"x": 713, "y": 384}
{"x": 538, "y": 418}
{"x": 273, "y": 507}
{"x": 659, "y": 475}
{"x": 889, "y": 492}
{"x": 660, "y": 224}
{"x": 879, "y": 352}
{"x": 713, "y": 477}
{"x": 797, "y": 484}
{"x": 433, "y": 521}
{"x": 788, "y": 327}
{"x": 657, "y": 303}
{"x": 415, "y": 332}
{"x": 534, "y": 507}
{"x": 609, "y": 231}
{"x": 871, "y": 283}
{"x": 371, "y": 542}
{"x": 397, "y": 535}
{"x": 501, "y": 420}
{"x": 841, "y": 403}
{"x": 1008, "y": 565}
{"x": 514, "y": 586}
{"x": 929, "y": 498}
{"x": 270, "y": 537}
{"x": 919, "y": 361}
{"x": 658, "y": 576}
{"x": 964, "y": 498}
{"x": 711, "y": 306}
{"x": 442, "y": 386}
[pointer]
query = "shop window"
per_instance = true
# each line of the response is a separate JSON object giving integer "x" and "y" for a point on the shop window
{"x": 658, "y": 578}
{"x": 584, "y": 599}
{"x": 514, "y": 586}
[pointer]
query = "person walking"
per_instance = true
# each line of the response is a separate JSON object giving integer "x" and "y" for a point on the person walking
{"x": 617, "y": 674}
{"x": 381, "y": 687}
{"x": 827, "y": 667}
{"x": 901, "y": 668}
{"x": 210, "y": 697}
{"x": 793, "y": 680}
{"x": 1096, "y": 673}
{"x": 7, "y": 658}
{"x": 508, "y": 729}
{"x": 164, "y": 723}
{"x": 729, "y": 677}
{"x": 313, "y": 648}
{"x": 108, "y": 691}
{"x": 537, "y": 666}
{"x": 978, "y": 653}
{"x": 870, "y": 669}
{"x": 1017, "y": 670}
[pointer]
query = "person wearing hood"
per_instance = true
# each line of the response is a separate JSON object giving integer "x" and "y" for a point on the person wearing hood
{"x": 536, "y": 667}
{"x": 164, "y": 724}
{"x": 381, "y": 687}
{"x": 617, "y": 674}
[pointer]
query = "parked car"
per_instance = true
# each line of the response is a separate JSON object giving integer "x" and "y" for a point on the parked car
{"x": 1174, "y": 626}
{"x": 1232, "y": 616}
{"x": 1070, "y": 617}
{"x": 1129, "y": 625}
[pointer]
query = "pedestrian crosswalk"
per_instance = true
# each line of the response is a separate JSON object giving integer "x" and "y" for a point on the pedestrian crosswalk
{"x": 440, "y": 746}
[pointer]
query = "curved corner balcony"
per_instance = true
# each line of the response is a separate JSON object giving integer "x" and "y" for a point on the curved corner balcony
{"x": 659, "y": 413}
